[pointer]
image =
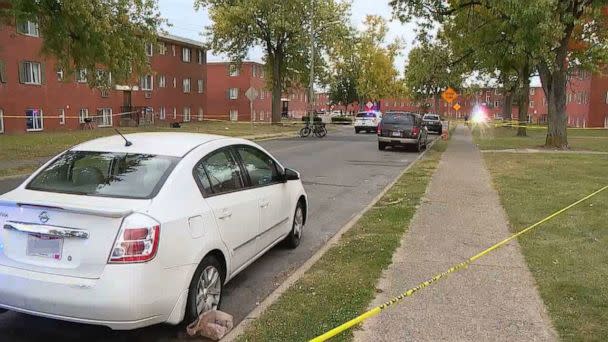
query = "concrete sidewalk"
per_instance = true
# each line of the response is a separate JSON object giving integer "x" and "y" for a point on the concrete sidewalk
{"x": 494, "y": 300}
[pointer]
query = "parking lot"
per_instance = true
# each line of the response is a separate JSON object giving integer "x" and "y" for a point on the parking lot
{"x": 342, "y": 173}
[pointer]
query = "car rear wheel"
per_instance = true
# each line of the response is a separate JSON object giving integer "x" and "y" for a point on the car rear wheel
{"x": 381, "y": 146}
{"x": 206, "y": 287}
{"x": 295, "y": 235}
{"x": 356, "y": 131}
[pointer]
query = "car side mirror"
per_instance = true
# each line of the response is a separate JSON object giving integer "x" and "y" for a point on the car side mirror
{"x": 290, "y": 175}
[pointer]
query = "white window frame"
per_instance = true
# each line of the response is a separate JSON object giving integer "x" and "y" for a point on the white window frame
{"x": 186, "y": 85}
{"x": 532, "y": 91}
{"x": 39, "y": 127}
{"x": 531, "y": 103}
{"x": 174, "y": 113}
{"x": 147, "y": 83}
{"x": 1, "y": 121}
{"x": 162, "y": 48}
{"x": 186, "y": 114}
{"x": 174, "y": 82}
{"x": 233, "y": 93}
{"x": 162, "y": 115}
{"x": 233, "y": 70}
{"x": 61, "y": 116}
{"x": 262, "y": 94}
{"x": 81, "y": 75}
{"x": 33, "y": 75}
{"x": 200, "y": 114}
{"x": 32, "y": 29}
{"x": 174, "y": 50}
{"x": 199, "y": 56}
{"x": 201, "y": 86}
{"x": 149, "y": 49}
{"x": 102, "y": 113}
{"x": 81, "y": 117}
{"x": 234, "y": 115}
{"x": 162, "y": 81}
{"x": 606, "y": 97}
{"x": 186, "y": 54}
{"x": 59, "y": 73}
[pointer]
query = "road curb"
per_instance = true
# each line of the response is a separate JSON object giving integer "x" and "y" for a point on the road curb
{"x": 297, "y": 274}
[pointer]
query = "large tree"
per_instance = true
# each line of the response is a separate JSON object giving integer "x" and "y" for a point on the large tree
{"x": 282, "y": 29}
{"x": 92, "y": 34}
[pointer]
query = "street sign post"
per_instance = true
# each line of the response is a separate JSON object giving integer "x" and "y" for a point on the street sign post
{"x": 251, "y": 94}
{"x": 449, "y": 95}
{"x": 456, "y": 107}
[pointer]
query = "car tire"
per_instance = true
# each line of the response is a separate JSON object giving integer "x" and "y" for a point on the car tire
{"x": 193, "y": 310}
{"x": 3, "y": 311}
{"x": 381, "y": 146}
{"x": 295, "y": 235}
{"x": 356, "y": 131}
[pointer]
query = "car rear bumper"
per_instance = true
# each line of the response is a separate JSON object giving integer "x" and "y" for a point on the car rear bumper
{"x": 125, "y": 297}
{"x": 370, "y": 126}
{"x": 397, "y": 141}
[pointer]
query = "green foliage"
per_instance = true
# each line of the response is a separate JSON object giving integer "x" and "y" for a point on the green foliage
{"x": 343, "y": 89}
{"x": 93, "y": 34}
{"x": 282, "y": 28}
{"x": 342, "y": 119}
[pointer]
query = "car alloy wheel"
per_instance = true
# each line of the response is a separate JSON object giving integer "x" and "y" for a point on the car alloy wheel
{"x": 209, "y": 290}
{"x": 294, "y": 237}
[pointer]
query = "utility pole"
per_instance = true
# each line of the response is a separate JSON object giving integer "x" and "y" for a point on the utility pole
{"x": 311, "y": 90}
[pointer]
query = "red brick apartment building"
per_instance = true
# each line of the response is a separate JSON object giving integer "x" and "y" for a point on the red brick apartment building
{"x": 586, "y": 105}
{"x": 230, "y": 81}
{"x": 36, "y": 96}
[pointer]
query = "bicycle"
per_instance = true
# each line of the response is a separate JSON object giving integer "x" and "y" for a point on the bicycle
{"x": 318, "y": 129}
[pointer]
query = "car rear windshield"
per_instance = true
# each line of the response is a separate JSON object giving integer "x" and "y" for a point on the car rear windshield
{"x": 366, "y": 115}
{"x": 431, "y": 117}
{"x": 107, "y": 174}
{"x": 398, "y": 119}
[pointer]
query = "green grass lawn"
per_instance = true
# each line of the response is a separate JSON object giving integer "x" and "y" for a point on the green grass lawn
{"x": 16, "y": 147}
{"x": 568, "y": 256}
{"x": 341, "y": 285}
{"x": 491, "y": 138}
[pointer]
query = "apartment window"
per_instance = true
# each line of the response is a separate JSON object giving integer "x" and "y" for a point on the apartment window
{"x": 2, "y": 72}
{"x": 186, "y": 85}
{"x": 81, "y": 76}
{"x": 146, "y": 82}
{"x": 31, "y": 73}
{"x": 264, "y": 92}
{"x": 162, "y": 83}
{"x": 33, "y": 120}
{"x": 200, "y": 86}
{"x": 162, "y": 48}
{"x": 488, "y": 98}
{"x": 497, "y": 104}
{"x": 29, "y": 28}
{"x": 174, "y": 113}
{"x": 186, "y": 55}
{"x": 161, "y": 113}
{"x": 254, "y": 70}
{"x": 174, "y": 50}
{"x": 174, "y": 82}
{"x": 149, "y": 49}
{"x": 496, "y": 91}
{"x": 1, "y": 121}
{"x": 606, "y": 98}
{"x": 233, "y": 93}
{"x": 579, "y": 98}
{"x": 234, "y": 115}
{"x": 531, "y": 103}
{"x": 61, "y": 114}
{"x": 104, "y": 117}
{"x": 532, "y": 91}
{"x": 83, "y": 114}
{"x": 105, "y": 92}
{"x": 200, "y": 56}
{"x": 233, "y": 70}
{"x": 200, "y": 114}
{"x": 59, "y": 72}
{"x": 186, "y": 114}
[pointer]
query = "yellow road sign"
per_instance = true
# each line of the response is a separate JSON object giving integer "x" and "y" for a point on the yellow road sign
{"x": 449, "y": 95}
{"x": 456, "y": 107}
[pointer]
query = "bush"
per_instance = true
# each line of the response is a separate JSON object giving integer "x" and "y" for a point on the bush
{"x": 341, "y": 120}
{"x": 307, "y": 119}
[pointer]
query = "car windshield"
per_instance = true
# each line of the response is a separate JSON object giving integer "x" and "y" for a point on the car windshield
{"x": 398, "y": 119}
{"x": 108, "y": 174}
{"x": 431, "y": 117}
{"x": 366, "y": 115}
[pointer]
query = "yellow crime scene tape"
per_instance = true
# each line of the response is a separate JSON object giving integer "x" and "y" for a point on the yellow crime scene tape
{"x": 545, "y": 127}
{"x": 375, "y": 311}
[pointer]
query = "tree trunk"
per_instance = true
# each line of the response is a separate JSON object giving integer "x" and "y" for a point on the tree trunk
{"x": 524, "y": 100}
{"x": 437, "y": 104}
{"x": 507, "y": 108}
{"x": 277, "y": 87}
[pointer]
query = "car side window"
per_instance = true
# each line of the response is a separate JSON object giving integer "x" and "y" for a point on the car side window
{"x": 223, "y": 173}
{"x": 261, "y": 168}
{"x": 202, "y": 179}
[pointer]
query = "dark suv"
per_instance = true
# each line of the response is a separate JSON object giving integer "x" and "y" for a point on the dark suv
{"x": 432, "y": 122}
{"x": 402, "y": 129}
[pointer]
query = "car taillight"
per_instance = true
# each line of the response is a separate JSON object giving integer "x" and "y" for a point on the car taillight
{"x": 135, "y": 245}
{"x": 415, "y": 131}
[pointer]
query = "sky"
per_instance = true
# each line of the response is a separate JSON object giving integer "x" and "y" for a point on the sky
{"x": 187, "y": 22}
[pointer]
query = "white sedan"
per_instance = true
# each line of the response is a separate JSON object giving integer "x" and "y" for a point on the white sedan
{"x": 130, "y": 234}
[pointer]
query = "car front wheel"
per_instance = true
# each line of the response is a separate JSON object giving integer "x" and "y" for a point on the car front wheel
{"x": 295, "y": 235}
{"x": 205, "y": 292}
{"x": 381, "y": 146}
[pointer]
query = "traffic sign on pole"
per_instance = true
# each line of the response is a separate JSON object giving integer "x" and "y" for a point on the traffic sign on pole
{"x": 449, "y": 95}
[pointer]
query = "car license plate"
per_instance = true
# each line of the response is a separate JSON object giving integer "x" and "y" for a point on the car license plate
{"x": 44, "y": 246}
{"x": 396, "y": 134}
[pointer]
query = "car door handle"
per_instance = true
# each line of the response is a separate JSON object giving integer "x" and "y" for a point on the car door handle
{"x": 264, "y": 204}
{"x": 225, "y": 215}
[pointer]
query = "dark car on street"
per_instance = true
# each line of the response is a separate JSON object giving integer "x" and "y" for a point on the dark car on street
{"x": 432, "y": 122}
{"x": 402, "y": 129}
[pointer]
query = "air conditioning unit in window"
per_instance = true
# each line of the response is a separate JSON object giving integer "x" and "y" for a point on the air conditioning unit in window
{"x": 148, "y": 94}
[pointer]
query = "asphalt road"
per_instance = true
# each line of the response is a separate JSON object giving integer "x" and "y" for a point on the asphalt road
{"x": 342, "y": 173}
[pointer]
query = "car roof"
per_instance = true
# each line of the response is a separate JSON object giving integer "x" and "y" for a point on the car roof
{"x": 175, "y": 144}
